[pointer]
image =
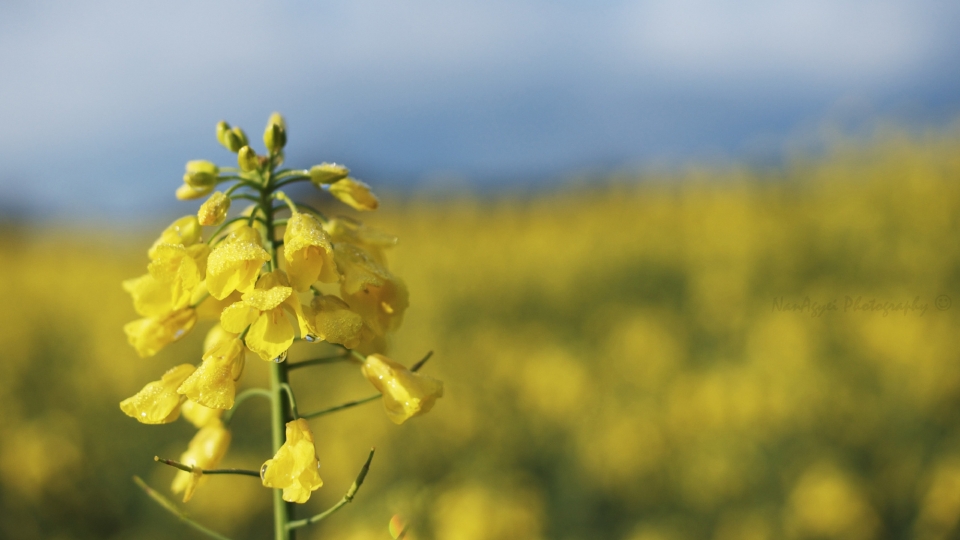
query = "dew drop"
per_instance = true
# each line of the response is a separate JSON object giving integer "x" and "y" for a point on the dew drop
{"x": 281, "y": 358}
{"x": 263, "y": 471}
{"x": 310, "y": 338}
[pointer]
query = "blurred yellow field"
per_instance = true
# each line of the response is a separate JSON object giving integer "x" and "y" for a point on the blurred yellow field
{"x": 722, "y": 354}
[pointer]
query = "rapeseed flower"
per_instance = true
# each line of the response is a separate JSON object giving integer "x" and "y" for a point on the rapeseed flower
{"x": 197, "y": 414}
{"x": 158, "y": 402}
{"x": 264, "y": 310}
{"x": 371, "y": 289}
{"x": 235, "y": 263}
{"x": 214, "y": 383}
{"x": 205, "y": 451}
{"x": 295, "y": 467}
{"x": 151, "y": 334}
{"x": 214, "y": 210}
{"x": 185, "y": 231}
{"x": 405, "y": 393}
{"x": 355, "y": 194}
{"x": 332, "y": 320}
{"x": 308, "y": 252}
{"x": 371, "y": 240}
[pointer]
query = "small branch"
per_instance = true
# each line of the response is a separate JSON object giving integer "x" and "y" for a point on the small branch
{"x": 172, "y": 508}
{"x": 351, "y": 493}
{"x": 190, "y": 469}
{"x": 293, "y": 402}
{"x": 340, "y": 407}
{"x": 243, "y": 396}
{"x": 318, "y": 361}
{"x": 418, "y": 365}
{"x": 200, "y": 301}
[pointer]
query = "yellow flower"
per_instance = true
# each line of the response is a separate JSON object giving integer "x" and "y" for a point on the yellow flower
{"x": 185, "y": 231}
{"x": 308, "y": 252}
{"x": 234, "y": 264}
{"x": 174, "y": 274}
{"x": 214, "y": 210}
{"x": 205, "y": 451}
{"x": 214, "y": 383}
{"x": 295, "y": 468}
{"x": 354, "y": 193}
{"x": 151, "y": 334}
{"x": 198, "y": 415}
{"x": 405, "y": 394}
{"x": 264, "y": 310}
{"x": 158, "y": 402}
{"x": 332, "y": 321}
{"x": 370, "y": 289}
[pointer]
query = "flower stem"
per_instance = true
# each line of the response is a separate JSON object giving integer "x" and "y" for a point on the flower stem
{"x": 351, "y": 493}
{"x": 190, "y": 469}
{"x": 172, "y": 508}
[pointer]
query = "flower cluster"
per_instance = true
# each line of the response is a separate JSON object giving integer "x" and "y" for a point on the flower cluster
{"x": 276, "y": 273}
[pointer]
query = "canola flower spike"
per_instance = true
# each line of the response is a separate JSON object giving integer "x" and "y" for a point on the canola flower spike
{"x": 355, "y": 194}
{"x": 205, "y": 451}
{"x": 197, "y": 414}
{"x": 151, "y": 334}
{"x": 405, "y": 393}
{"x": 234, "y": 264}
{"x": 370, "y": 289}
{"x": 214, "y": 383}
{"x": 214, "y": 210}
{"x": 264, "y": 310}
{"x": 295, "y": 467}
{"x": 158, "y": 402}
{"x": 308, "y": 252}
{"x": 332, "y": 321}
{"x": 185, "y": 231}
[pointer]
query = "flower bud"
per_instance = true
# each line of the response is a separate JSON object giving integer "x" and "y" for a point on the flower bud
{"x": 200, "y": 174}
{"x": 327, "y": 173}
{"x": 354, "y": 193}
{"x": 222, "y": 129}
{"x": 186, "y": 193}
{"x": 275, "y": 136}
{"x": 247, "y": 159}
{"x": 214, "y": 210}
{"x": 241, "y": 136}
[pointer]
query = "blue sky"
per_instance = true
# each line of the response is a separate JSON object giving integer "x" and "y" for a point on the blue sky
{"x": 103, "y": 102}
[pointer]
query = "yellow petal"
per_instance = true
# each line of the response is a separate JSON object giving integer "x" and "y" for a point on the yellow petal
{"x": 235, "y": 263}
{"x": 158, "y": 401}
{"x": 308, "y": 252}
{"x": 238, "y": 316}
{"x": 371, "y": 290}
{"x": 295, "y": 468}
{"x": 405, "y": 394}
{"x": 151, "y": 297}
{"x": 198, "y": 415}
{"x": 151, "y": 334}
{"x": 213, "y": 384}
{"x": 270, "y": 335}
{"x": 185, "y": 230}
{"x": 267, "y": 299}
{"x": 214, "y": 210}
{"x": 354, "y": 193}
{"x": 334, "y": 322}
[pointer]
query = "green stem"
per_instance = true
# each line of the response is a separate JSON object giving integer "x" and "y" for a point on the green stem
{"x": 243, "y": 396}
{"x": 351, "y": 493}
{"x": 287, "y": 181}
{"x": 280, "y": 412}
{"x": 291, "y": 401}
{"x": 340, "y": 407}
{"x": 172, "y": 508}
{"x": 190, "y": 469}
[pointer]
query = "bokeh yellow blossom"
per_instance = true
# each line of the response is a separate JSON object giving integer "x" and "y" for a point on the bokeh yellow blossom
{"x": 205, "y": 451}
{"x": 295, "y": 467}
{"x": 234, "y": 264}
{"x": 308, "y": 252}
{"x": 197, "y": 414}
{"x": 158, "y": 402}
{"x": 405, "y": 394}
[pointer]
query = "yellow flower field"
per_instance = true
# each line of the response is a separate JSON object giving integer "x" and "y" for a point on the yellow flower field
{"x": 719, "y": 354}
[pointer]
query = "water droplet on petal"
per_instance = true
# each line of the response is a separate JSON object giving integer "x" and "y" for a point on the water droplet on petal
{"x": 310, "y": 338}
{"x": 281, "y": 358}
{"x": 263, "y": 471}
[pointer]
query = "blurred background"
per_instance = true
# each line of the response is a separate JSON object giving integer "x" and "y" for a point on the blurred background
{"x": 689, "y": 269}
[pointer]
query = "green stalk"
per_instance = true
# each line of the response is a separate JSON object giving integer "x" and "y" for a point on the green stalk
{"x": 280, "y": 412}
